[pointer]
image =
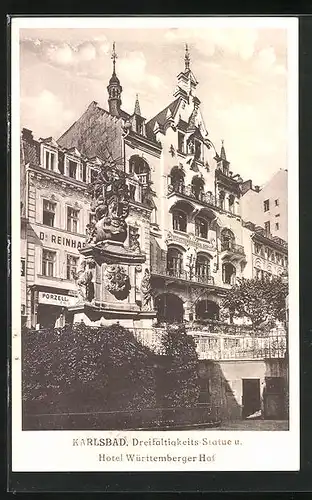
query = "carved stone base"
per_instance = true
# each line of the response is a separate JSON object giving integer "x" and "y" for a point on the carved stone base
{"x": 130, "y": 317}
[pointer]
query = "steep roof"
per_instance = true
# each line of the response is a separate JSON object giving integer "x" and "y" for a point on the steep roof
{"x": 161, "y": 117}
{"x": 95, "y": 133}
{"x": 29, "y": 148}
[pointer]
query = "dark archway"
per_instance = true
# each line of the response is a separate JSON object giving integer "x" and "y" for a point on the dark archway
{"x": 207, "y": 309}
{"x": 140, "y": 167}
{"x": 198, "y": 187}
{"x": 177, "y": 179}
{"x": 169, "y": 308}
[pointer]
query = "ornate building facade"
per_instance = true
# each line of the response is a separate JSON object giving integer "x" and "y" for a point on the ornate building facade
{"x": 185, "y": 220}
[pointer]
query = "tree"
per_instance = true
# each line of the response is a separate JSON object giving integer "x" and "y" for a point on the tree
{"x": 262, "y": 301}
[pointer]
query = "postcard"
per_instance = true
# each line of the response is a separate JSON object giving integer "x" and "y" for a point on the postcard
{"x": 155, "y": 315}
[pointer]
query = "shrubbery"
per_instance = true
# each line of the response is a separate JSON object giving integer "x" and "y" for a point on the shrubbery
{"x": 81, "y": 369}
{"x": 181, "y": 383}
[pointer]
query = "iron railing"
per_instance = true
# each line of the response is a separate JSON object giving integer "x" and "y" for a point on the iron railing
{"x": 232, "y": 247}
{"x": 188, "y": 191}
{"x": 184, "y": 275}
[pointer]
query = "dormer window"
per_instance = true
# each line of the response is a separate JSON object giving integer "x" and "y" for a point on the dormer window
{"x": 49, "y": 160}
{"x": 72, "y": 169}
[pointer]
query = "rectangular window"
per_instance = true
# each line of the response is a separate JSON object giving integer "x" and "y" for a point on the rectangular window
{"x": 267, "y": 227}
{"x": 180, "y": 142}
{"x": 71, "y": 267}
{"x": 72, "y": 169}
{"x": 198, "y": 150}
{"x": 48, "y": 214}
{"x": 276, "y": 226}
{"x": 277, "y": 202}
{"x": 84, "y": 172}
{"x": 266, "y": 205}
{"x": 23, "y": 267}
{"x": 72, "y": 220}
{"x": 93, "y": 175}
{"x": 49, "y": 160}
{"x": 48, "y": 263}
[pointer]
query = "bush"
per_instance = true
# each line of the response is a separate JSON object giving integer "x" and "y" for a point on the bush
{"x": 180, "y": 377}
{"x": 86, "y": 369}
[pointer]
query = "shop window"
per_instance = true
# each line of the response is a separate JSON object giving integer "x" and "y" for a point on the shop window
{"x": 48, "y": 215}
{"x": 201, "y": 228}
{"x": 49, "y": 160}
{"x": 72, "y": 220}
{"x": 23, "y": 267}
{"x": 71, "y": 267}
{"x": 266, "y": 205}
{"x": 72, "y": 169}
{"x": 179, "y": 221}
{"x": 48, "y": 263}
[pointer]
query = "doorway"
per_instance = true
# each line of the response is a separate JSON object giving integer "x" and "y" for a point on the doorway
{"x": 251, "y": 396}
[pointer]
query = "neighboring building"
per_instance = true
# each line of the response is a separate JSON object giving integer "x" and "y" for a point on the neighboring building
{"x": 267, "y": 206}
{"x": 185, "y": 213}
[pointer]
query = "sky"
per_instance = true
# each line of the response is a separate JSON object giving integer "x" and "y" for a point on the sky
{"x": 242, "y": 75}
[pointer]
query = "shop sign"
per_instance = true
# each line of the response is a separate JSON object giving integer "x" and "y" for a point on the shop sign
{"x": 61, "y": 240}
{"x": 56, "y": 299}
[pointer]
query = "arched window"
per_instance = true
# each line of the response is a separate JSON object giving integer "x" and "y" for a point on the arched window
{"x": 207, "y": 309}
{"x": 202, "y": 267}
{"x": 174, "y": 262}
{"x": 201, "y": 227}
{"x": 177, "y": 179}
{"x": 221, "y": 199}
{"x": 232, "y": 203}
{"x": 179, "y": 220}
{"x": 228, "y": 273}
{"x": 198, "y": 185}
{"x": 169, "y": 308}
{"x": 140, "y": 167}
{"x": 227, "y": 239}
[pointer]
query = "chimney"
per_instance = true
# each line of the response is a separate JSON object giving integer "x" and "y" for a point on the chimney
{"x": 27, "y": 135}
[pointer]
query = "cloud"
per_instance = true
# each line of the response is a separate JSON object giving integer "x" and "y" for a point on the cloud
{"x": 241, "y": 42}
{"x": 45, "y": 112}
{"x": 133, "y": 69}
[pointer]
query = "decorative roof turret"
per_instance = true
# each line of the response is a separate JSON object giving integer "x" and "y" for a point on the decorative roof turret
{"x": 114, "y": 89}
{"x": 137, "y": 109}
{"x": 186, "y": 80}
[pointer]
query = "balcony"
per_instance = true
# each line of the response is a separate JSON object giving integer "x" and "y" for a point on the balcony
{"x": 183, "y": 276}
{"x": 186, "y": 192}
{"x": 232, "y": 251}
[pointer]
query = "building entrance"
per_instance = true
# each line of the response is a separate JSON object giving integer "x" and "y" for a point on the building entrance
{"x": 50, "y": 316}
{"x": 251, "y": 396}
{"x": 169, "y": 308}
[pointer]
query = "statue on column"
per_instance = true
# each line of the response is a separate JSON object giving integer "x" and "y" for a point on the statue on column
{"x": 110, "y": 206}
{"x": 146, "y": 291}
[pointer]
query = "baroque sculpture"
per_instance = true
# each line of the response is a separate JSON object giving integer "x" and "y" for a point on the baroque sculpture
{"x": 110, "y": 206}
{"x": 146, "y": 290}
{"x": 117, "y": 281}
{"x": 85, "y": 283}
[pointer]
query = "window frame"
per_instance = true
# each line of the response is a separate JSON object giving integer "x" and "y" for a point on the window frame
{"x": 48, "y": 211}
{"x": 70, "y": 266}
{"x": 175, "y": 214}
{"x": 44, "y": 263}
{"x": 266, "y": 205}
{"x": 71, "y": 219}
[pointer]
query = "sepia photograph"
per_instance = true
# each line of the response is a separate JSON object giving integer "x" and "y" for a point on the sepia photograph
{"x": 154, "y": 219}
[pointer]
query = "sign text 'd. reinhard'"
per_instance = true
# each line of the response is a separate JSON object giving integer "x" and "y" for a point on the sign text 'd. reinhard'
{"x": 61, "y": 240}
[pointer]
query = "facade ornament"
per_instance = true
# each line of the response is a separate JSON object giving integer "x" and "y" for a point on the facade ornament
{"x": 110, "y": 206}
{"x": 117, "y": 281}
{"x": 146, "y": 291}
{"x": 84, "y": 278}
{"x": 172, "y": 150}
{"x": 134, "y": 244}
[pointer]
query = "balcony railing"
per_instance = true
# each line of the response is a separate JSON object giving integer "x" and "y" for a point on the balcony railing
{"x": 187, "y": 191}
{"x": 218, "y": 347}
{"x": 234, "y": 248}
{"x": 184, "y": 275}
